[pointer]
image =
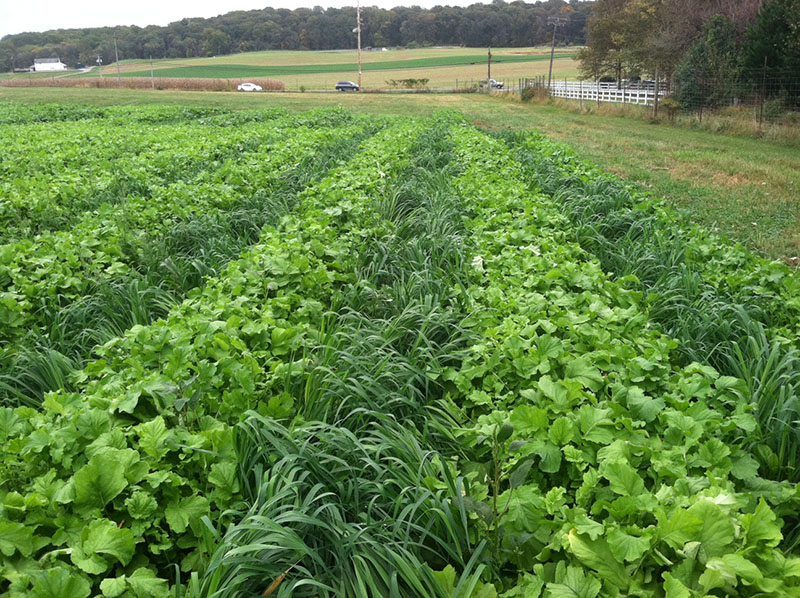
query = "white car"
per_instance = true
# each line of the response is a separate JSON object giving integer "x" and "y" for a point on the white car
{"x": 249, "y": 87}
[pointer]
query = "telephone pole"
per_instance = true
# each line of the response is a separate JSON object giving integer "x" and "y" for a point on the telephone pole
{"x": 116, "y": 56}
{"x": 489, "y": 68}
{"x": 358, "y": 28}
{"x": 555, "y": 22}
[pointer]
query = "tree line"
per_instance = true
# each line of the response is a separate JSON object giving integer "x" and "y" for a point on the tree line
{"x": 713, "y": 53}
{"x": 499, "y": 24}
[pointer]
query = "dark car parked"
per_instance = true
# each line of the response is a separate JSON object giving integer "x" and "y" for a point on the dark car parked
{"x": 346, "y": 86}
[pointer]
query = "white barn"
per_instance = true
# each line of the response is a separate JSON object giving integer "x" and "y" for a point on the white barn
{"x": 48, "y": 64}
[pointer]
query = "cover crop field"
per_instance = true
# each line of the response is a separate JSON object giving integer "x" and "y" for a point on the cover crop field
{"x": 319, "y": 354}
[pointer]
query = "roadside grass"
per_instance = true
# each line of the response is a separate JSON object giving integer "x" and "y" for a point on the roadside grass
{"x": 725, "y": 182}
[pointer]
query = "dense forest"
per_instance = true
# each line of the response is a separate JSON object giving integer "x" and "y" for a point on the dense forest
{"x": 497, "y": 24}
{"x": 714, "y": 52}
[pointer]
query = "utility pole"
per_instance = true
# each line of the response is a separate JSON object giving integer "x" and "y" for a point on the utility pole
{"x": 358, "y": 28}
{"x": 555, "y": 22}
{"x": 152, "y": 78}
{"x": 489, "y": 69}
{"x": 116, "y": 56}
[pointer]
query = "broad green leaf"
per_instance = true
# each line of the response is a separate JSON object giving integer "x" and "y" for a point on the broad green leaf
{"x": 480, "y": 508}
{"x": 711, "y": 579}
{"x": 181, "y": 515}
{"x": 623, "y": 479}
{"x": 625, "y": 547}
{"x": 547, "y": 347}
{"x": 527, "y": 586}
{"x": 141, "y": 505}
{"x": 142, "y": 583}
{"x": 98, "y": 482}
{"x": 597, "y": 555}
{"x": 579, "y": 369}
{"x": 744, "y": 467}
{"x": 525, "y": 505}
{"x": 152, "y": 436}
{"x": 224, "y": 477}
{"x": 678, "y": 527}
{"x": 484, "y": 590}
{"x": 674, "y": 588}
{"x": 561, "y": 431}
{"x": 760, "y": 526}
{"x": 588, "y": 527}
{"x": 505, "y": 432}
{"x": 643, "y": 407}
{"x": 145, "y": 584}
{"x": 595, "y": 424}
{"x": 446, "y": 578}
{"x": 15, "y": 537}
{"x": 549, "y": 455}
{"x": 100, "y": 542}
{"x": 716, "y": 532}
{"x": 113, "y": 586}
{"x": 737, "y": 564}
{"x": 60, "y": 583}
{"x": 527, "y": 420}
{"x": 575, "y": 584}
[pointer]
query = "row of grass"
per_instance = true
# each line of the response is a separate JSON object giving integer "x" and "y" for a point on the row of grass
{"x": 340, "y": 503}
{"x": 217, "y": 71}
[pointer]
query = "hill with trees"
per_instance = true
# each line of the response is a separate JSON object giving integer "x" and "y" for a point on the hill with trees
{"x": 499, "y": 24}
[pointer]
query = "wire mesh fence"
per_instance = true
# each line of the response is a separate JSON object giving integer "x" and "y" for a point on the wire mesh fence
{"x": 771, "y": 94}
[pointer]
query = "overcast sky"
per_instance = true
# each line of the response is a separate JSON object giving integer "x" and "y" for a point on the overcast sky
{"x": 17, "y": 16}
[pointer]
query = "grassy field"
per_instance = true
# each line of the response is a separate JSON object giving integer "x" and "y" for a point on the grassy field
{"x": 444, "y": 67}
{"x": 745, "y": 188}
{"x": 32, "y": 76}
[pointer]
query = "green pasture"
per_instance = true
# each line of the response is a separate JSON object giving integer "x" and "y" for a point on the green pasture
{"x": 237, "y": 71}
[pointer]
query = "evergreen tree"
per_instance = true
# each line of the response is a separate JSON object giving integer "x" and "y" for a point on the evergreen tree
{"x": 708, "y": 76}
{"x": 774, "y": 41}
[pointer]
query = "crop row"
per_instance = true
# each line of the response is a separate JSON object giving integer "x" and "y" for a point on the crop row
{"x": 182, "y": 378}
{"x": 144, "y": 253}
{"x": 727, "y": 307}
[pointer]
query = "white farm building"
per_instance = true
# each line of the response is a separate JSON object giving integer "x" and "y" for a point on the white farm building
{"x": 48, "y": 64}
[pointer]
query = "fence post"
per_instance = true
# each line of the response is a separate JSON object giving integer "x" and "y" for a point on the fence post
{"x": 598, "y": 93}
{"x": 655, "y": 100}
{"x": 763, "y": 93}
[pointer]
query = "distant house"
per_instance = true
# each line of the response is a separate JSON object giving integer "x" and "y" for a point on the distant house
{"x": 48, "y": 64}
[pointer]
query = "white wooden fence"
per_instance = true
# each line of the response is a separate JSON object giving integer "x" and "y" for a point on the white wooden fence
{"x": 629, "y": 93}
